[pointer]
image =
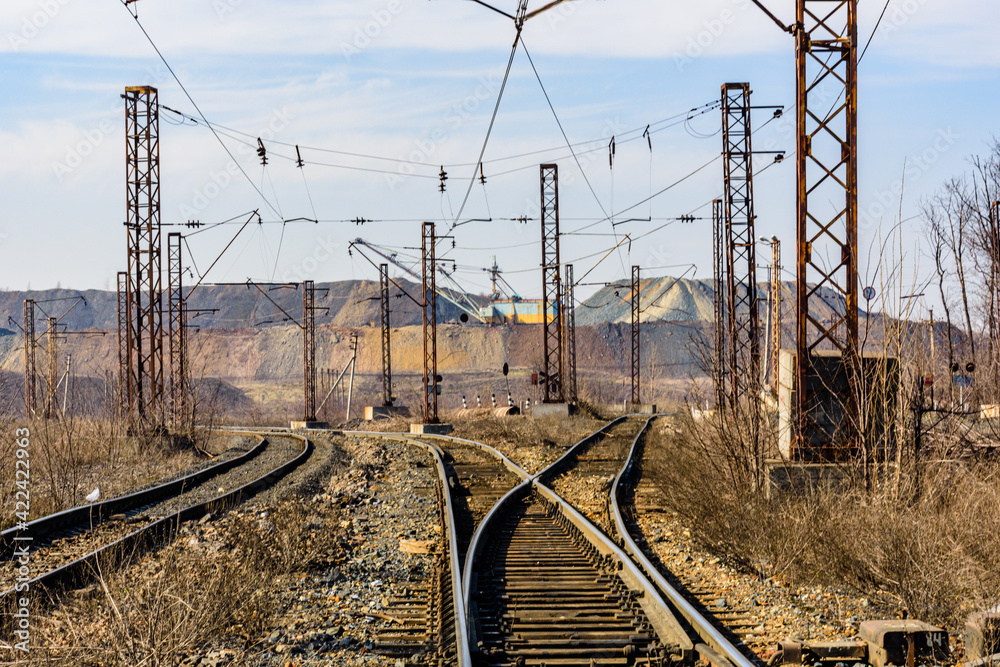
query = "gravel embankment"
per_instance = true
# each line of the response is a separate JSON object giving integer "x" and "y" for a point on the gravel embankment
{"x": 586, "y": 481}
{"x": 385, "y": 494}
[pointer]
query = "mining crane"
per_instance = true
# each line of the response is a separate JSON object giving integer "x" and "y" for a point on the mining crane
{"x": 456, "y": 296}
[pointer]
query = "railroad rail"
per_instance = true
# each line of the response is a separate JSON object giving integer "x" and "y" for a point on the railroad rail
{"x": 543, "y": 584}
{"x": 53, "y": 526}
{"x": 714, "y": 645}
{"x": 81, "y": 566}
{"x": 440, "y": 610}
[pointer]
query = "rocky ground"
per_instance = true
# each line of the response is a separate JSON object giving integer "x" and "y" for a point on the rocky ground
{"x": 531, "y": 443}
{"x": 780, "y": 611}
{"x": 335, "y": 543}
{"x": 383, "y": 495}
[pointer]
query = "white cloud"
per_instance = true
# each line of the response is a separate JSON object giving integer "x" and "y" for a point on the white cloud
{"x": 627, "y": 28}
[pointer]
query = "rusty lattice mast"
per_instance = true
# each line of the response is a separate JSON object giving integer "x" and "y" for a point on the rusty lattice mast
{"x": 826, "y": 252}
{"x": 826, "y": 62}
{"x": 30, "y": 371}
{"x": 551, "y": 289}
{"x": 569, "y": 327}
{"x": 742, "y": 312}
{"x": 383, "y": 271}
{"x": 309, "y": 350}
{"x": 124, "y": 344}
{"x": 720, "y": 363}
{"x": 176, "y": 330}
{"x": 636, "y": 312}
{"x": 144, "y": 368}
{"x": 429, "y": 317}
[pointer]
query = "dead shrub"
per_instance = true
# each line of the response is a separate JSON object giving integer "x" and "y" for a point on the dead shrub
{"x": 932, "y": 549}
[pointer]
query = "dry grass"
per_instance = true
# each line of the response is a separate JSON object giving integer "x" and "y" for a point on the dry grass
{"x": 212, "y": 583}
{"x": 933, "y": 553}
{"x": 70, "y": 458}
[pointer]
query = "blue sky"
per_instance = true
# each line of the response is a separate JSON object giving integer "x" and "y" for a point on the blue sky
{"x": 416, "y": 80}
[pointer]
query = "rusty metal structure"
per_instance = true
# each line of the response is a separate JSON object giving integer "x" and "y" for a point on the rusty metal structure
{"x": 742, "y": 307}
{"x": 144, "y": 373}
{"x": 309, "y": 350}
{"x": 176, "y": 329}
{"x": 569, "y": 327}
{"x": 124, "y": 345}
{"x": 383, "y": 270}
{"x": 30, "y": 371}
{"x": 428, "y": 310}
{"x": 551, "y": 289}
{"x": 51, "y": 367}
{"x": 827, "y": 408}
{"x": 636, "y": 313}
{"x": 826, "y": 63}
{"x": 720, "y": 365}
{"x": 776, "y": 325}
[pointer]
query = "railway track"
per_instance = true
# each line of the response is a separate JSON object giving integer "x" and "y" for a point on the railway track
{"x": 583, "y": 477}
{"x": 717, "y": 635}
{"x": 68, "y": 545}
{"x": 543, "y": 584}
{"x": 472, "y": 477}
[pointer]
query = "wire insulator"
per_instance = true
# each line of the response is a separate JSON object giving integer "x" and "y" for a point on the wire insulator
{"x": 261, "y": 152}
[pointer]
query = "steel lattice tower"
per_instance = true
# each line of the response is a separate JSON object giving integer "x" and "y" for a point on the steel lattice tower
{"x": 386, "y": 335}
{"x": 775, "y": 310}
{"x": 743, "y": 318}
{"x": 429, "y": 311}
{"x": 30, "y": 374}
{"x": 826, "y": 59}
{"x": 636, "y": 312}
{"x": 124, "y": 345}
{"x": 176, "y": 328}
{"x": 145, "y": 340}
{"x": 719, "y": 302}
{"x": 551, "y": 289}
{"x": 51, "y": 368}
{"x": 569, "y": 345}
{"x": 309, "y": 350}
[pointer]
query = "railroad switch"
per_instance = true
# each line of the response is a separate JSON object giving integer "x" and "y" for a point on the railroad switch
{"x": 904, "y": 642}
{"x": 881, "y": 643}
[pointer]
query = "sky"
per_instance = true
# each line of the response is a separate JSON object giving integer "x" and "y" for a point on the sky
{"x": 381, "y": 95}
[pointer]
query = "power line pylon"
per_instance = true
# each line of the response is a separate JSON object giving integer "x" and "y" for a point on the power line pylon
{"x": 309, "y": 350}
{"x": 551, "y": 289}
{"x": 826, "y": 61}
{"x": 30, "y": 372}
{"x": 742, "y": 314}
{"x": 569, "y": 344}
{"x": 125, "y": 397}
{"x": 776, "y": 326}
{"x": 429, "y": 317}
{"x": 386, "y": 335}
{"x": 720, "y": 364}
{"x": 176, "y": 329}
{"x": 142, "y": 148}
{"x": 635, "y": 335}
{"x": 826, "y": 66}
{"x": 51, "y": 367}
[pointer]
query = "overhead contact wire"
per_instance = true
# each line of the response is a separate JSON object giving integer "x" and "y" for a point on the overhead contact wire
{"x": 197, "y": 108}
